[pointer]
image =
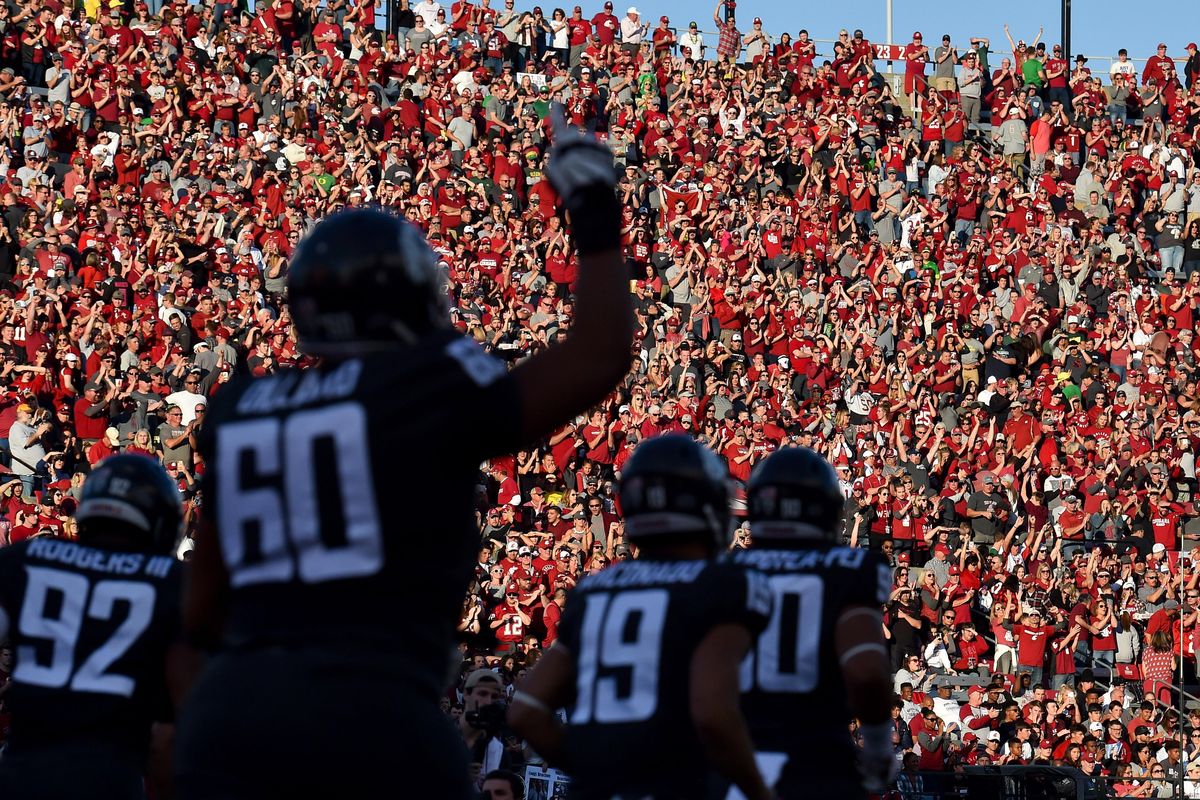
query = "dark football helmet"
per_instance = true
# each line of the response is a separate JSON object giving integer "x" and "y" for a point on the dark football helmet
{"x": 673, "y": 486}
{"x": 795, "y": 494}
{"x": 364, "y": 280}
{"x": 131, "y": 496}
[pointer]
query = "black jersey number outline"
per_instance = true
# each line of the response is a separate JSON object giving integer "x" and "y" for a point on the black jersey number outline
{"x": 785, "y": 657}
{"x": 55, "y": 608}
{"x": 620, "y": 646}
{"x": 271, "y": 534}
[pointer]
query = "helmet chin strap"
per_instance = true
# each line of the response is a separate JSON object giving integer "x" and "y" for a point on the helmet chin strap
{"x": 403, "y": 332}
{"x": 722, "y": 534}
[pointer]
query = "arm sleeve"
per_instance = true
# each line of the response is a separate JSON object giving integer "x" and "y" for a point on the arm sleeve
{"x": 490, "y": 399}
{"x": 740, "y": 596}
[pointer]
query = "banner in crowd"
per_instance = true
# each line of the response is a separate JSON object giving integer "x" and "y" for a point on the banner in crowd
{"x": 692, "y": 200}
{"x": 545, "y": 784}
{"x": 537, "y": 80}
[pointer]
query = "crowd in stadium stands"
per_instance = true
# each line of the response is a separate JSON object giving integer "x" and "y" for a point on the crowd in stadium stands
{"x": 974, "y": 290}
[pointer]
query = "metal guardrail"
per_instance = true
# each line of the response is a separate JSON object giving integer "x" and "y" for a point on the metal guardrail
{"x": 1033, "y": 782}
{"x": 710, "y": 38}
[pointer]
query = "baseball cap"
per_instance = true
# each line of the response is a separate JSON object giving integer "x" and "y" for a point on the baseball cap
{"x": 994, "y": 736}
{"x": 758, "y": 20}
{"x": 512, "y": 547}
{"x": 482, "y": 676}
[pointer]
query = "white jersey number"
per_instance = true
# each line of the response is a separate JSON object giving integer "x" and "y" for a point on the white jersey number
{"x": 785, "y": 657}
{"x": 55, "y": 609}
{"x": 619, "y": 650}
{"x": 270, "y": 513}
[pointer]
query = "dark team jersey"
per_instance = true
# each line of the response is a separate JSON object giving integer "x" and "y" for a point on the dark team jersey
{"x": 344, "y": 494}
{"x": 794, "y": 697}
{"x": 90, "y": 629}
{"x": 631, "y": 631}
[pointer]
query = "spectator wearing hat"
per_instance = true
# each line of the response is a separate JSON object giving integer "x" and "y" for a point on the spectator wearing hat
{"x": 633, "y": 30}
{"x": 988, "y": 511}
{"x": 1013, "y": 137}
{"x": 1157, "y": 66}
{"x": 25, "y": 444}
{"x": 945, "y": 57}
{"x": 916, "y": 56}
{"x": 482, "y": 692}
{"x": 691, "y": 43}
{"x": 1033, "y": 638}
{"x": 756, "y": 43}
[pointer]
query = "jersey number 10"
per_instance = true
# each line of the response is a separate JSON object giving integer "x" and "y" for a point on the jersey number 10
{"x": 272, "y": 525}
{"x": 785, "y": 656}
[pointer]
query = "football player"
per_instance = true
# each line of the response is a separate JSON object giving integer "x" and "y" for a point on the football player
{"x": 92, "y": 623}
{"x": 822, "y": 658}
{"x": 646, "y": 662}
{"x": 341, "y": 502}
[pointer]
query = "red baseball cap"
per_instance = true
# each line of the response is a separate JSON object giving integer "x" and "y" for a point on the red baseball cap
{"x": 663, "y": 20}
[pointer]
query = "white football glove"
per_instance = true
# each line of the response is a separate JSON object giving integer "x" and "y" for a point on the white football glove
{"x": 577, "y": 162}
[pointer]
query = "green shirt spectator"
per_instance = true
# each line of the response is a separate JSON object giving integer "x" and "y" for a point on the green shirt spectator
{"x": 1031, "y": 71}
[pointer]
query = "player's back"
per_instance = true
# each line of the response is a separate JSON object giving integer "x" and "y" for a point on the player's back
{"x": 90, "y": 628}
{"x": 794, "y": 697}
{"x": 343, "y": 498}
{"x": 632, "y": 631}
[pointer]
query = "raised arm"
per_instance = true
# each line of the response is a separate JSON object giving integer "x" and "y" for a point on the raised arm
{"x": 596, "y": 354}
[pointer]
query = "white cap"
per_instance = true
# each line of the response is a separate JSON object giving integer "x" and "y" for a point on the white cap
{"x": 632, "y": 10}
{"x": 1072, "y": 318}
{"x": 994, "y": 736}
{"x": 1159, "y": 547}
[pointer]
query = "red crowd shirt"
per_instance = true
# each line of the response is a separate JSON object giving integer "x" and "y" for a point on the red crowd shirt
{"x": 513, "y": 630}
{"x": 1031, "y": 644}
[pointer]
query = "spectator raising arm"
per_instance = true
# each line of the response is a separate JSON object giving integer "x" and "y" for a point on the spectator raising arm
{"x": 595, "y": 354}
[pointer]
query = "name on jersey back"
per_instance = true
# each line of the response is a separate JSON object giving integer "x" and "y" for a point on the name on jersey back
{"x": 298, "y": 388}
{"x": 113, "y": 563}
{"x": 645, "y": 573}
{"x": 773, "y": 560}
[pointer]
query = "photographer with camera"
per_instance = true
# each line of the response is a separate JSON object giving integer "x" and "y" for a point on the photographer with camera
{"x": 480, "y": 723}
{"x": 25, "y": 444}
